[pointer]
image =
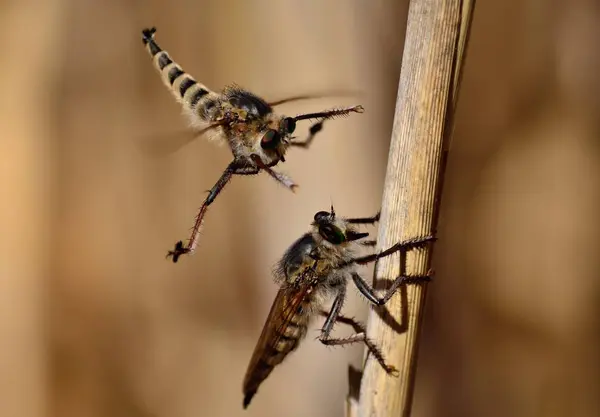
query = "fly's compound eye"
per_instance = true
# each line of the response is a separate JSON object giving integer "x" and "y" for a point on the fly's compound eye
{"x": 270, "y": 140}
{"x": 332, "y": 234}
{"x": 321, "y": 216}
{"x": 288, "y": 125}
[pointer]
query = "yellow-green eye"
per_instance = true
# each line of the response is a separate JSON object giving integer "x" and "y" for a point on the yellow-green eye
{"x": 332, "y": 234}
{"x": 270, "y": 140}
{"x": 288, "y": 125}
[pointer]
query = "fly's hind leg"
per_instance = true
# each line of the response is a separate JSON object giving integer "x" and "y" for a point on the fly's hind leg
{"x": 360, "y": 335}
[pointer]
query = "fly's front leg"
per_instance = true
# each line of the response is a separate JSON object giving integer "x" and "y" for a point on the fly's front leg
{"x": 312, "y": 132}
{"x": 367, "y": 291}
{"x": 180, "y": 249}
{"x": 278, "y": 176}
{"x": 404, "y": 246}
{"x": 359, "y": 336}
{"x": 365, "y": 220}
{"x": 321, "y": 117}
{"x": 330, "y": 114}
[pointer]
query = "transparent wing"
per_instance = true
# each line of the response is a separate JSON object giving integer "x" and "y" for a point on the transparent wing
{"x": 168, "y": 143}
{"x": 285, "y": 307}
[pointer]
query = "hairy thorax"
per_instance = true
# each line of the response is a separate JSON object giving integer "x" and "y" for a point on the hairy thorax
{"x": 244, "y": 127}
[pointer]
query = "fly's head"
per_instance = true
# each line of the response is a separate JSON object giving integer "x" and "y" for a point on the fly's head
{"x": 334, "y": 233}
{"x": 275, "y": 138}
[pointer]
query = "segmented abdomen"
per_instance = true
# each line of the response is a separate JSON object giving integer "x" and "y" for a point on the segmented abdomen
{"x": 186, "y": 90}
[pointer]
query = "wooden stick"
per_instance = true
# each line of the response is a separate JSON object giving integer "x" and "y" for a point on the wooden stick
{"x": 436, "y": 39}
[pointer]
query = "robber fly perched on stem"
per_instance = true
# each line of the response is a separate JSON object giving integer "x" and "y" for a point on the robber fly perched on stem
{"x": 318, "y": 266}
{"x": 258, "y": 137}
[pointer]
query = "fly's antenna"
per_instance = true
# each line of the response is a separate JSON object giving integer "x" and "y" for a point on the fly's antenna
{"x": 183, "y": 86}
{"x": 331, "y": 114}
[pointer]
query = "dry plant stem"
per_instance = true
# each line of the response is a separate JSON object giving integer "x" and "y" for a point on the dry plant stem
{"x": 431, "y": 67}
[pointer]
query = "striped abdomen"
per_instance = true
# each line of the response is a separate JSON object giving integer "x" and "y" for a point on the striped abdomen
{"x": 186, "y": 90}
{"x": 281, "y": 335}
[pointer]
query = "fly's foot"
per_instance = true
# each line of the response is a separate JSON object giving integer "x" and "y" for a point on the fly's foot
{"x": 392, "y": 371}
{"x": 178, "y": 251}
{"x": 418, "y": 279}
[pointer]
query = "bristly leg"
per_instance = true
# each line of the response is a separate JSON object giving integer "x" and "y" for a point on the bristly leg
{"x": 334, "y": 312}
{"x": 180, "y": 249}
{"x": 359, "y": 336}
{"x": 278, "y": 176}
{"x": 369, "y": 292}
{"x": 312, "y": 132}
{"x": 330, "y": 114}
{"x": 234, "y": 168}
{"x": 193, "y": 239}
{"x": 404, "y": 246}
{"x": 365, "y": 220}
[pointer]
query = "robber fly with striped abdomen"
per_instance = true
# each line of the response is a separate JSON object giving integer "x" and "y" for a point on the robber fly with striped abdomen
{"x": 316, "y": 267}
{"x": 258, "y": 137}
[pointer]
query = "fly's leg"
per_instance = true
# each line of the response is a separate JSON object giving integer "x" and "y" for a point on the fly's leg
{"x": 360, "y": 335}
{"x": 369, "y": 293}
{"x": 333, "y": 313}
{"x": 404, "y": 246}
{"x": 278, "y": 176}
{"x": 180, "y": 249}
{"x": 373, "y": 349}
{"x": 321, "y": 117}
{"x": 365, "y": 220}
{"x": 312, "y": 132}
{"x": 331, "y": 114}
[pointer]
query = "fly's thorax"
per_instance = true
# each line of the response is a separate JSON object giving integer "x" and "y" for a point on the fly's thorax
{"x": 254, "y": 106}
{"x": 295, "y": 260}
{"x": 311, "y": 256}
{"x": 319, "y": 264}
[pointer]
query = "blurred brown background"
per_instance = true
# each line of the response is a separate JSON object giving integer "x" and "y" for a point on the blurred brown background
{"x": 95, "y": 322}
